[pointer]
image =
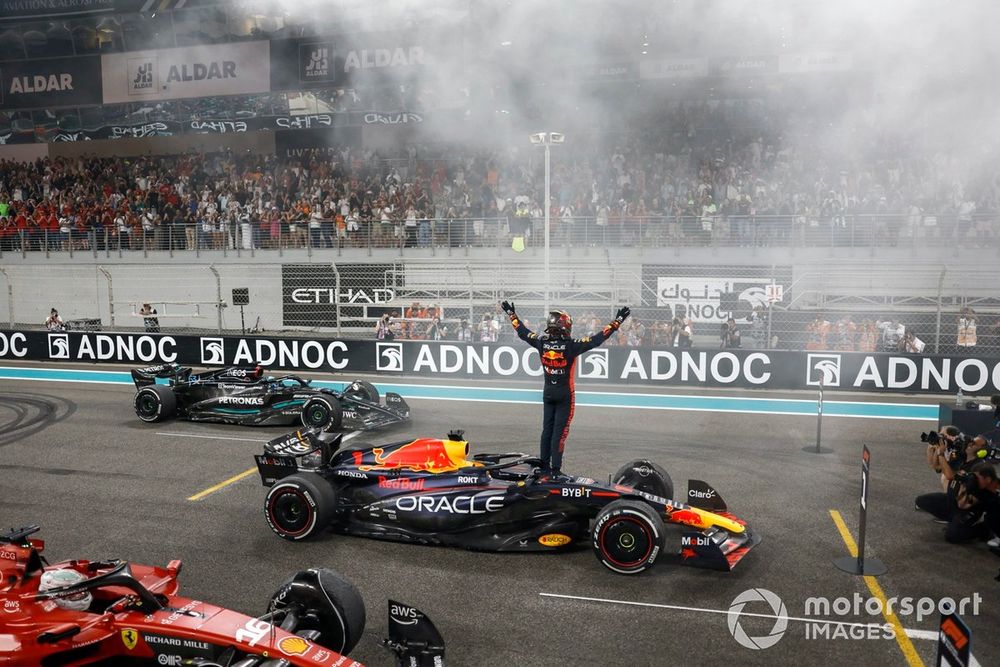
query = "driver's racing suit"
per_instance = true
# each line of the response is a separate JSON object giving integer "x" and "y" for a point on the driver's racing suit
{"x": 558, "y": 355}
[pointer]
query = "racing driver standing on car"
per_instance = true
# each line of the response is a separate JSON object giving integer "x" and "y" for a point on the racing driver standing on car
{"x": 558, "y": 351}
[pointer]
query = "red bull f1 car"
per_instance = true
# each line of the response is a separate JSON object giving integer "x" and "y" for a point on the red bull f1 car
{"x": 114, "y": 612}
{"x": 428, "y": 491}
{"x": 241, "y": 395}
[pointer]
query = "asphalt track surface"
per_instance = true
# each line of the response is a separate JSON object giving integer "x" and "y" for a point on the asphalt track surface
{"x": 74, "y": 458}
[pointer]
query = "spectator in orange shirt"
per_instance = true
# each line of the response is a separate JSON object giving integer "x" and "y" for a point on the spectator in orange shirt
{"x": 817, "y": 332}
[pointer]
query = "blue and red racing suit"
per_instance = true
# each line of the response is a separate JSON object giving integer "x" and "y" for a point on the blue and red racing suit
{"x": 558, "y": 354}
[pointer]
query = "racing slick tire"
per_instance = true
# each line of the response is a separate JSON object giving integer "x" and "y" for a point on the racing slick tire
{"x": 628, "y": 535}
{"x": 330, "y": 605}
{"x": 300, "y": 506}
{"x": 366, "y": 391}
{"x": 155, "y": 403}
{"x": 323, "y": 412}
{"x": 646, "y": 476}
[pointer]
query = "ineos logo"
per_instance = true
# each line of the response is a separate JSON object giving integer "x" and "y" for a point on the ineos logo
{"x": 212, "y": 351}
{"x": 595, "y": 365}
{"x": 388, "y": 357}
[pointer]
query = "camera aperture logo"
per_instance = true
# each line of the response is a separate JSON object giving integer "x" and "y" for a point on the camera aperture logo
{"x": 778, "y": 611}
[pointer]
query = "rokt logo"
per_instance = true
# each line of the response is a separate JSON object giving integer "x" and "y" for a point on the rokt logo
{"x": 59, "y": 346}
{"x": 388, "y": 357}
{"x": 213, "y": 351}
{"x": 823, "y": 368}
{"x": 778, "y": 610}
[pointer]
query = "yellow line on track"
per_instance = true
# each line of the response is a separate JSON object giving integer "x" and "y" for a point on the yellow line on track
{"x": 905, "y": 645}
{"x": 223, "y": 484}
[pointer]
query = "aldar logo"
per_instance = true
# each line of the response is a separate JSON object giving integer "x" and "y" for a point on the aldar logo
{"x": 319, "y": 62}
{"x": 595, "y": 365}
{"x": 213, "y": 351}
{"x": 141, "y": 75}
{"x": 58, "y": 346}
{"x": 823, "y": 367}
{"x": 388, "y": 357}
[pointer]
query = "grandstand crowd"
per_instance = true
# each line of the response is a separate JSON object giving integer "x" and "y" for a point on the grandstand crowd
{"x": 682, "y": 184}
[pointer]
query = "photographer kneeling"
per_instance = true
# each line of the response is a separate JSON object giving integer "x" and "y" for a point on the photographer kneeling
{"x": 945, "y": 455}
{"x": 980, "y": 489}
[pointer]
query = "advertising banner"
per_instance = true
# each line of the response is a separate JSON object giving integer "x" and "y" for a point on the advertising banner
{"x": 311, "y": 292}
{"x": 239, "y": 68}
{"x": 666, "y": 367}
{"x": 50, "y": 83}
{"x": 713, "y": 294}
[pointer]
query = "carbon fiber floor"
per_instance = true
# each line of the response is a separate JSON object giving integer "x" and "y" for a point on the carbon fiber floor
{"x": 74, "y": 458}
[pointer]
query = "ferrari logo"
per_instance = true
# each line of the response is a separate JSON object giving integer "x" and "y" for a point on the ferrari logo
{"x": 129, "y": 637}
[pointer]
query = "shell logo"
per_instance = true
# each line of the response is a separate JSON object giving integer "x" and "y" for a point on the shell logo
{"x": 293, "y": 646}
{"x": 554, "y": 540}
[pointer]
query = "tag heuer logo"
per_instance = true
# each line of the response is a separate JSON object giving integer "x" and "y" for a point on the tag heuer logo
{"x": 212, "y": 351}
{"x": 595, "y": 365}
{"x": 823, "y": 368}
{"x": 388, "y": 357}
{"x": 58, "y": 346}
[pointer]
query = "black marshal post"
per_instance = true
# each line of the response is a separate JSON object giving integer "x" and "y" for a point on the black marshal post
{"x": 817, "y": 448}
{"x": 858, "y": 565}
{"x": 241, "y": 297}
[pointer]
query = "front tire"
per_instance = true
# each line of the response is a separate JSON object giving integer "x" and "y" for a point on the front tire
{"x": 646, "y": 476}
{"x": 628, "y": 536}
{"x": 155, "y": 403}
{"x": 300, "y": 506}
{"x": 328, "y": 603}
{"x": 324, "y": 413}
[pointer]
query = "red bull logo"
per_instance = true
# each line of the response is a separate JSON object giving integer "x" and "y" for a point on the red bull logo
{"x": 401, "y": 483}
{"x": 421, "y": 455}
{"x": 553, "y": 359}
{"x": 686, "y": 517}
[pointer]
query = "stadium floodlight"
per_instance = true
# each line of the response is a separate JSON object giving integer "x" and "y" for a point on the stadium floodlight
{"x": 547, "y": 140}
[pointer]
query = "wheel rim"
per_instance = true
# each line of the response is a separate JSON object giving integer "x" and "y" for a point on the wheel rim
{"x": 626, "y": 541}
{"x": 290, "y": 511}
{"x": 147, "y": 405}
{"x": 317, "y": 415}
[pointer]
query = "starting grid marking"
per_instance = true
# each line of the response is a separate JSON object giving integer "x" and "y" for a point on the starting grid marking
{"x": 604, "y": 399}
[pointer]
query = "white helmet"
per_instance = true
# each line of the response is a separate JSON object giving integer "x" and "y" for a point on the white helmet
{"x": 52, "y": 579}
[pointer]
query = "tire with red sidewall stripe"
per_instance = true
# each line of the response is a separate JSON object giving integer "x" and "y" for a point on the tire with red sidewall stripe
{"x": 628, "y": 536}
{"x": 300, "y": 506}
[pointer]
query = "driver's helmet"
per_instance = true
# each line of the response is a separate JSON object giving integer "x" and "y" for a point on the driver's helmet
{"x": 559, "y": 323}
{"x": 52, "y": 579}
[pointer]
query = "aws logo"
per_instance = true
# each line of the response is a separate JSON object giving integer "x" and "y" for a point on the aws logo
{"x": 388, "y": 357}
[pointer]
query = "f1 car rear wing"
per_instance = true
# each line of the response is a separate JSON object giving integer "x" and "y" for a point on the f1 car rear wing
{"x": 143, "y": 377}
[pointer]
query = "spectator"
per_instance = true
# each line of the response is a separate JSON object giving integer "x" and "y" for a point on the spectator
{"x": 489, "y": 329}
{"x": 53, "y": 322}
{"x": 817, "y": 332}
{"x": 383, "y": 328}
{"x": 730, "y": 334}
{"x": 892, "y": 335}
{"x": 966, "y": 338}
{"x": 149, "y": 319}
{"x": 464, "y": 331}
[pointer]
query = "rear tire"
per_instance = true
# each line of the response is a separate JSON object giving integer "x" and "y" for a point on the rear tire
{"x": 155, "y": 403}
{"x": 333, "y": 607}
{"x": 300, "y": 506}
{"x": 366, "y": 391}
{"x": 628, "y": 536}
{"x": 646, "y": 476}
{"x": 323, "y": 412}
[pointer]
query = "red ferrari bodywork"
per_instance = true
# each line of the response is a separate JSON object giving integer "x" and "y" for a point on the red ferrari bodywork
{"x": 34, "y": 628}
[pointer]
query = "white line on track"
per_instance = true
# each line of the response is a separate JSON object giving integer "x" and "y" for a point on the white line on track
{"x": 208, "y": 437}
{"x": 910, "y": 632}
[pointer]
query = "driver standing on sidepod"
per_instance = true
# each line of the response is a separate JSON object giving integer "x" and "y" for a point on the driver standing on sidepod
{"x": 558, "y": 352}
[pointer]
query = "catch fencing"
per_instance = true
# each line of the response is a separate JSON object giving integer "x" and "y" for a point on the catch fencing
{"x": 863, "y": 307}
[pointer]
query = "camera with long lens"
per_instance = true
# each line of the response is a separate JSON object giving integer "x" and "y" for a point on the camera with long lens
{"x": 931, "y": 437}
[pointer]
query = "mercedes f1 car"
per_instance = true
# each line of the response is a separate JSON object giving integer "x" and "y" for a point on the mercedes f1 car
{"x": 428, "y": 491}
{"x": 114, "y": 612}
{"x": 240, "y": 395}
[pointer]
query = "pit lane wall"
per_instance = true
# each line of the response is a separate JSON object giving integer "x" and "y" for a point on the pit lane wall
{"x": 671, "y": 367}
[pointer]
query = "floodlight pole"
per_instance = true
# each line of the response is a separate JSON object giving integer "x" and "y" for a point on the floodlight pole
{"x": 545, "y": 312}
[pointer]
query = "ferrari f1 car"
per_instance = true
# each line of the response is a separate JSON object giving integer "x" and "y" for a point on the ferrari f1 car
{"x": 112, "y": 612}
{"x": 428, "y": 491}
{"x": 240, "y": 395}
